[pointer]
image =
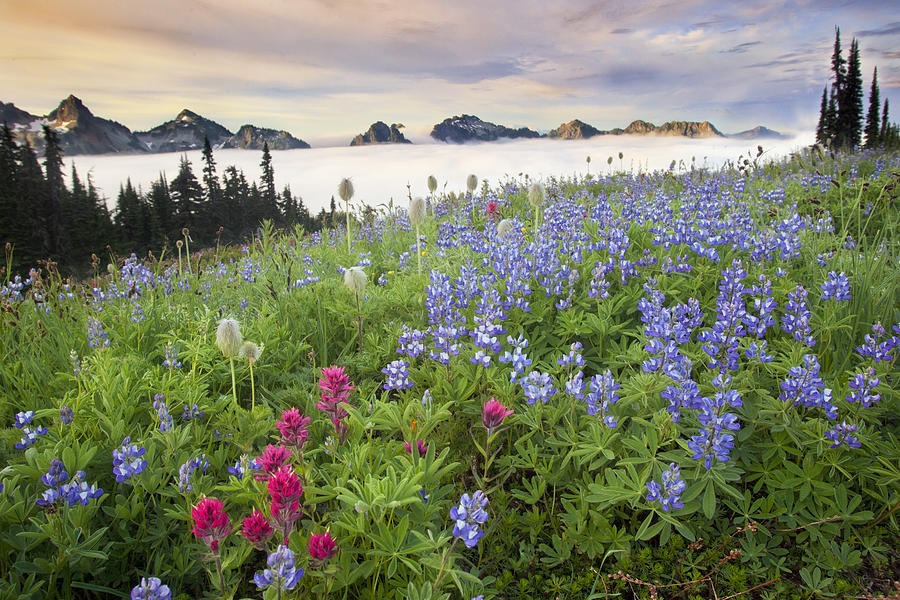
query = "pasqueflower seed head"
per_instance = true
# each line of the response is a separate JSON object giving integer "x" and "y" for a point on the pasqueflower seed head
{"x": 228, "y": 337}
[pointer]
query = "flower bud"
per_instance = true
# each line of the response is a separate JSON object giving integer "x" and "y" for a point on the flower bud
{"x": 536, "y": 195}
{"x": 355, "y": 279}
{"x": 417, "y": 211}
{"x": 228, "y": 337}
{"x": 345, "y": 189}
{"x": 472, "y": 183}
{"x": 432, "y": 183}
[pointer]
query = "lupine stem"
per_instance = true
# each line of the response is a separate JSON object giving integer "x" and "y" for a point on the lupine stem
{"x": 233, "y": 386}
{"x": 221, "y": 574}
{"x": 440, "y": 574}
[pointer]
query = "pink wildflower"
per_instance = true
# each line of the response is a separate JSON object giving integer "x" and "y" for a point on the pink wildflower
{"x": 294, "y": 428}
{"x": 210, "y": 522}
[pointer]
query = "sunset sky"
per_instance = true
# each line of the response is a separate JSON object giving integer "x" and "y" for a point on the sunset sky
{"x": 325, "y": 70}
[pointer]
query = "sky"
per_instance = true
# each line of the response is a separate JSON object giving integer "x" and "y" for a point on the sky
{"x": 326, "y": 69}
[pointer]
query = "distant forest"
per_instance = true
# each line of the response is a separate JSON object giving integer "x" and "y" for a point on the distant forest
{"x": 42, "y": 218}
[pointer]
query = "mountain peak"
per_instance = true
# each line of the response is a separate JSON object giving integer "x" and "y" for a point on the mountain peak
{"x": 187, "y": 115}
{"x": 70, "y": 109}
{"x": 380, "y": 133}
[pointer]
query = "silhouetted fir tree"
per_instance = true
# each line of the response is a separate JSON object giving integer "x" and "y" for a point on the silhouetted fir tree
{"x": 51, "y": 210}
{"x": 162, "y": 211}
{"x": 821, "y": 134}
{"x": 31, "y": 189}
{"x": 288, "y": 206}
{"x": 7, "y": 184}
{"x": 235, "y": 191}
{"x": 130, "y": 219}
{"x": 850, "y": 102}
{"x": 269, "y": 196}
{"x": 332, "y": 214}
{"x": 78, "y": 216}
{"x": 304, "y": 218}
{"x": 212, "y": 206}
{"x": 255, "y": 211}
{"x": 838, "y": 64}
{"x": 831, "y": 114}
{"x": 882, "y": 135}
{"x": 873, "y": 120}
{"x": 103, "y": 228}
{"x": 187, "y": 196}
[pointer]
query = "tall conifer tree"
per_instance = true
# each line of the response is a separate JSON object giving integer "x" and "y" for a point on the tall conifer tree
{"x": 873, "y": 120}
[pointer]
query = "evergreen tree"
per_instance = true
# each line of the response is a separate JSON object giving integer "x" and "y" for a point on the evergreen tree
{"x": 212, "y": 207}
{"x": 162, "y": 210}
{"x": 850, "y": 102}
{"x": 873, "y": 121}
{"x": 831, "y": 114}
{"x": 30, "y": 192}
{"x": 822, "y": 125}
{"x": 7, "y": 184}
{"x": 838, "y": 64}
{"x": 51, "y": 211}
{"x": 130, "y": 219}
{"x": 186, "y": 195}
{"x": 884, "y": 122}
{"x": 269, "y": 197}
{"x": 235, "y": 191}
{"x": 288, "y": 206}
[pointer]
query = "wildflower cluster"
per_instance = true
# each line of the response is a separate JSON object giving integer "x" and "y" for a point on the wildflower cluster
{"x": 58, "y": 490}
{"x": 668, "y": 493}
{"x": 127, "y": 460}
{"x": 469, "y": 516}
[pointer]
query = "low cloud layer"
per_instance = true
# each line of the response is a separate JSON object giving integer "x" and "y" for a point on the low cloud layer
{"x": 381, "y": 173}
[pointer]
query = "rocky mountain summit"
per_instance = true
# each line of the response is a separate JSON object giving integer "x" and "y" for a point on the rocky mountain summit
{"x": 691, "y": 129}
{"x": 249, "y": 137}
{"x": 380, "y": 133}
{"x": 467, "y": 128}
{"x": 574, "y": 130}
{"x": 80, "y": 132}
{"x": 758, "y": 133}
{"x": 185, "y": 132}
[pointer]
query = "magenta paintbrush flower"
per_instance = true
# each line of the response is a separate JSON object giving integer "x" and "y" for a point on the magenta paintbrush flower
{"x": 493, "y": 413}
{"x": 421, "y": 446}
{"x": 321, "y": 548}
{"x": 294, "y": 428}
{"x": 272, "y": 459}
{"x": 335, "y": 383}
{"x": 210, "y": 522}
{"x": 257, "y": 529}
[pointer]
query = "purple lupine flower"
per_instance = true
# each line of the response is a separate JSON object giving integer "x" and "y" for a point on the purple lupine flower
{"x": 66, "y": 415}
{"x": 191, "y": 413}
{"x": 397, "y": 375}
{"x": 731, "y": 311}
{"x": 243, "y": 465}
{"x": 170, "y": 360}
{"x": 281, "y": 572}
{"x": 445, "y": 343}
{"x": 797, "y": 319}
{"x": 669, "y": 492}
{"x": 685, "y": 393}
{"x": 480, "y": 358}
{"x": 863, "y": 385}
{"x": 79, "y": 492}
{"x": 538, "y": 386}
{"x": 517, "y": 358}
{"x": 602, "y": 395}
{"x": 23, "y": 418}
{"x": 97, "y": 338}
{"x": 30, "y": 438}
{"x": 127, "y": 461}
{"x": 760, "y": 313}
{"x": 411, "y": 343}
{"x": 712, "y": 442}
{"x": 186, "y": 472}
{"x": 803, "y": 385}
{"x": 841, "y": 434}
{"x": 836, "y": 287}
{"x": 757, "y": 350}
{"x": 468, "y": 517}
{"x": 151, "y": 588}
{"x": 874, "y": 348}
{"x": 162, "y": 411}
{"x": 575, "y": 385}
{"x": 137, "y": 313}
{"x": 573, "y": 357}
{"x": 54, "y": 479}
{"x": 77, "y": 367}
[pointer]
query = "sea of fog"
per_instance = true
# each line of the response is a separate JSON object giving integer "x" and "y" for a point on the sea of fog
{"x": 381, "y": 173}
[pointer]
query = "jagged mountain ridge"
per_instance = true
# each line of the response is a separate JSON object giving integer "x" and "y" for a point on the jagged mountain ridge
{"x": 186, "y": 131}
{"x": 249, "y": 137}
{"x": 466, "y": 128}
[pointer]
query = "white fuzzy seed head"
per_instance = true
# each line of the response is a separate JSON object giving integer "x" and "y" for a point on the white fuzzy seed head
{"x": 432, "y": 183}
{"x": 355, "y": 279}
{"x": 345, "y": 189}
{"x": 228, "y": 337}
{"x": 472, "y": 183}
{"x": 417, "y": 211}
{"x": 250, "y": 352}
{"x": 504, "y": 227}
{"x": 537, "y": 195}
